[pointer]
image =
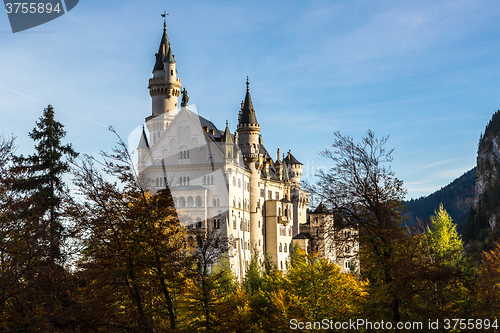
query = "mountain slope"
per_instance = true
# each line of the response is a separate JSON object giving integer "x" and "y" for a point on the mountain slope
{"x": 457, "y": 198}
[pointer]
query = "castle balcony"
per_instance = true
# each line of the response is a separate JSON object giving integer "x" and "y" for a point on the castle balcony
{"x": 156, "y": 80}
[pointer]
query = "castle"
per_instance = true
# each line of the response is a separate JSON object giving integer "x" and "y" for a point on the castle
{"x": 221, "y": 181}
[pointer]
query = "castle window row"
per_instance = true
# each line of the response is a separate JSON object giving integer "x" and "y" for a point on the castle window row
{"x": 160, "y": 181}
{"x": 183, "y": 181}
{"x": 284, "y": 248}
{"x": 184, "y": 154}
{"x": 208, "y": 180}
{"x": 190, "y": 202}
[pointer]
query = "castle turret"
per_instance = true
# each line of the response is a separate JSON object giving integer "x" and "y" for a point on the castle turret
{"x": 294, "y": 169}
{"x": 228, "y": 147}
{"x": 248, "y": 142}
{"x": 164, "y": 86}
{"x": 248, "y": 128}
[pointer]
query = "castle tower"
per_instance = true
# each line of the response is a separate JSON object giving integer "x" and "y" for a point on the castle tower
{"x": 248, "y": 143}
{"x": 299, "y": 198}
{"x": 164, "y": 88}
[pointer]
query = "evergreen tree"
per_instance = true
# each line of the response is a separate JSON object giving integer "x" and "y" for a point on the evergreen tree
{"x": 43, "y": 187}
{"x": 40, "y": 291}
{"x": 444, "y": 241}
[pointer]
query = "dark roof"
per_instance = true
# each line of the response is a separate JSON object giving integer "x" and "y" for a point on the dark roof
{"x": 169, "y": 58}
{"x": 247, "y": 113}
{"x": 290, "y": 159}
{"x": 204, "y": 123}
{"x": 162, "y": 50}
{"x": 302, "y": 235}
{"x": 321, "y": 209}
{"x": 143, "y": 143}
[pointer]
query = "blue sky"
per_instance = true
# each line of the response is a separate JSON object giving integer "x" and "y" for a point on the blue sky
{"x": 423, "y": 72}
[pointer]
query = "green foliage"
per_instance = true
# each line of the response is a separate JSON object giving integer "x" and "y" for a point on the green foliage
{"x": 444, "y": 242}
{"x": 37, "y": 292}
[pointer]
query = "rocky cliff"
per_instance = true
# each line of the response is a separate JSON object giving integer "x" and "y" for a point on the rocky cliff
{"x": 482, "y": 223}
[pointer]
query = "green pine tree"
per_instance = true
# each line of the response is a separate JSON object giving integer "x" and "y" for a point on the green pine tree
{"x": 444, "y": 241}
{"x": 43, "y": 186}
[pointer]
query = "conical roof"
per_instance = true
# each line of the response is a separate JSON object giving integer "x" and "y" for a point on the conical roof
{"x": 143, "y": 143}
{"x": 169, "y": 58}
{"x": 321, "y": 209}
{"x": 290, "y": 159}
{"x": 163, "y": 50}
{"x": 247, "y": 113}
{"x": 227, "y": 138}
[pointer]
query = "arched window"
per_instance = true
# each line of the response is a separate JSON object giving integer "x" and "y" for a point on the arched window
{"x": 285, "y": 247}
{"x": 182, "y": 202}
{"x": 190, "y": 201}
{"x": 239, "y": 183}
{"x": 234, "y": 181}
{"x": 183, "y": 153}
{"x": 198, "y": 202}
{"x": 281, "y": 264}
{"x": 281, "y": 248}
{"x": 286, "y": 212}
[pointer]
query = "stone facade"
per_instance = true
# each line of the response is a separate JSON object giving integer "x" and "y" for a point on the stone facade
{"x": 222, "y": 182}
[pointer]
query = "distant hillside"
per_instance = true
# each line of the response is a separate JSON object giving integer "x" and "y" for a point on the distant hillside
{"x": 457, "y": 198}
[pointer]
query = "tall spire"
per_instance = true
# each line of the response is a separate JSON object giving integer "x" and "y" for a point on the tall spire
{"x": 247, "y": 113}
{"x": 164, "y": 49}
{"x": 164, "y": 87}
{"x": 227, "y": 138}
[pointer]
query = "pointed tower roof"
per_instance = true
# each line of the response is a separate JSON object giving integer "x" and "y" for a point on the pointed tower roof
{"x": 227, "y": 138}
{"x": 290, "y": 159}
{"x": 169, "y": 58}
{"x": 143, "y": 143}
{"x": 163, "y": 49}
{"x": 285, "y": 172}
{"x": 321, "y": 209}
{"x": 247, "y": 113}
